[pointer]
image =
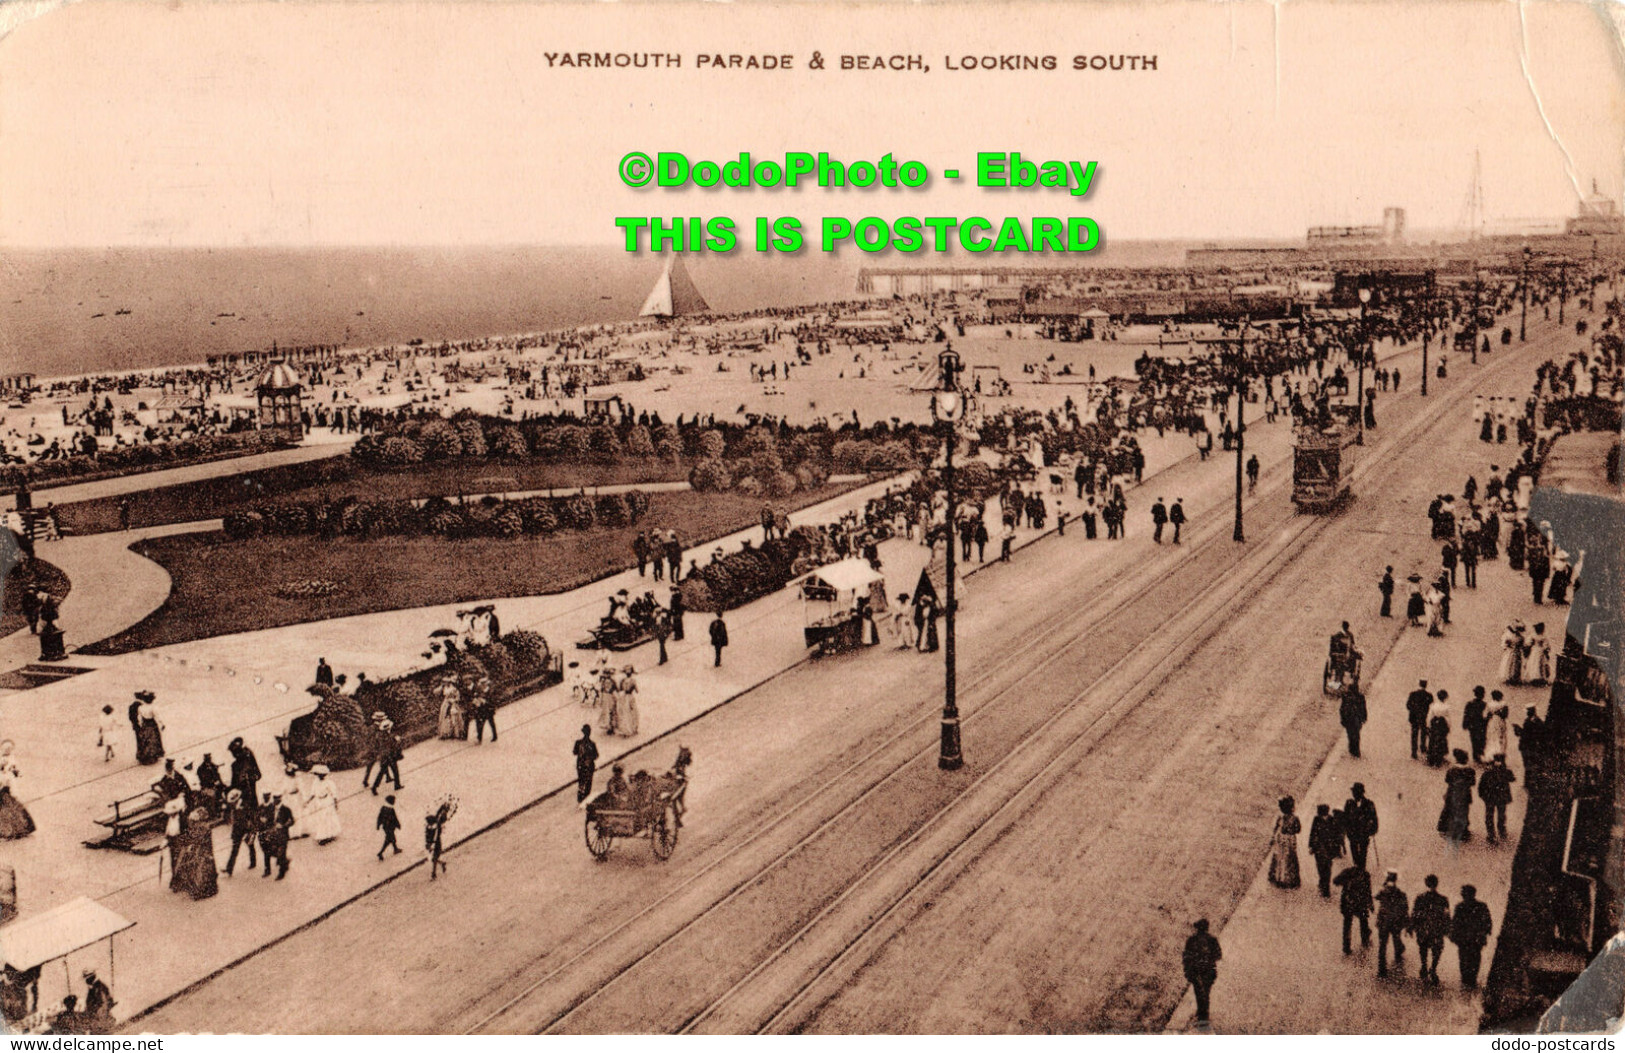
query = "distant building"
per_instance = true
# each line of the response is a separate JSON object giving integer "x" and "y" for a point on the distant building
{"x": 1598, "y": 215}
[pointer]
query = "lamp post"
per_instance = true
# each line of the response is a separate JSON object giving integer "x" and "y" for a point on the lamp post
{"x": 1562, "y": 288}
{"x": 1523, "y": 317}
{"x": 1241, "y": 427}
{"x": 1359, "y": 401}
{"x": 948, "y": 408}
{"x": 1427, "y": 331}
{"x": 1478, "y": 288}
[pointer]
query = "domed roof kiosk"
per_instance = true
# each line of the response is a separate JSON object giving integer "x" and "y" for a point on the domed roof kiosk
{"x": 278, "y": 391}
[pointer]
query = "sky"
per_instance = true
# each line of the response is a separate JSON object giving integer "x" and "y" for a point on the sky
{"x": 128, "y": 123}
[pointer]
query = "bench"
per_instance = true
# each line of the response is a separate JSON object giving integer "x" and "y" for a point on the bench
{"x": 135, "y": 825}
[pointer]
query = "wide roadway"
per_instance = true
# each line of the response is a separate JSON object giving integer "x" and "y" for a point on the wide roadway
{"x": 1131, "y": 713}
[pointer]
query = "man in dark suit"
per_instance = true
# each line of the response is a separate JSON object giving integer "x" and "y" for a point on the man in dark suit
{"x": 275, "y": 819}
{"x": 1355, "y": 903}
{"x": 1416, "y": 709}
{"x": 388, "y": 746}
{"x": 1360, "y": 825}
{"x": 1469, "y": 931}
{"x": 1430, "y": 920}
{"x": 1176, "y": 516}
{"x": 390, "y": 823}
{"x": 1159, "y": 517}
{"x": 1326, "y": 844}
{"x": 719, "y": 636}
{"x": 1352, "y": 714}
{"x": 1495, "y": 790}
{"x": 1386, "y": 587}
{"x": 1393, "y": 916}
{"x": 324, "y": 673}
{"x": 1201, "y": 961}
{"x": 244, "y": 818}
{"x": 586, "y": 751}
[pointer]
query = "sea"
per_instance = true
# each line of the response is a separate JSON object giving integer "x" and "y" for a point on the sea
{"x": 66, "y": 312}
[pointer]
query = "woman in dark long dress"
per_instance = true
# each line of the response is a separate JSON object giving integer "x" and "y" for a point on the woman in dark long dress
{"x": 15, "y": 821}
{"x": 1438, "y": 733}
{"x": 1458, "y": 799}
{"x": 149, "y": 732}
{"x": 192, "y": 857}
{"x": 1284, "y": 847}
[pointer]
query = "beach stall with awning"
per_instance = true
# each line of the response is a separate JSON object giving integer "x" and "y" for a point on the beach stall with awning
{"x": 29, "y": 945}
{"x": 838, "y": 599}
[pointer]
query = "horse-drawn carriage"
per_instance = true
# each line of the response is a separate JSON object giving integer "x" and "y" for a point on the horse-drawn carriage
{"x": 629, "y": 624}
{"x": 645, "y": 805}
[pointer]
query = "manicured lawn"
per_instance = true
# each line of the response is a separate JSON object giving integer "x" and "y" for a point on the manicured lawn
{"x": 223, "y": 586}
{"x": 35, "y": 574}
{"x": 337, "y": 477}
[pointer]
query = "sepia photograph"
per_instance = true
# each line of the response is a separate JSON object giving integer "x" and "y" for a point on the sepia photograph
{"x": 836, "y": 519}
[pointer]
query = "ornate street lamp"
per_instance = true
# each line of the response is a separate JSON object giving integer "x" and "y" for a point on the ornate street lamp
{"x": 1359, "y": 403}
{"x": 1240, "y": 383}
{"x": 948, "y": 408}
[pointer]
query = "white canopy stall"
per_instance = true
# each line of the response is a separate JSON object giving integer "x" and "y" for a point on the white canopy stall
{"x": 839, "y": 600}
{"x": 28, "y": 945}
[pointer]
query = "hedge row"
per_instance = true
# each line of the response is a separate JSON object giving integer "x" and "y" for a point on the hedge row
{"x": 352, "y": 517}
{"x": 120, "y": 459}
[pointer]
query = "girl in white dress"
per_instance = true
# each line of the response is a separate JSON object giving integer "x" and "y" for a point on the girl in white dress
{"x": 1537, "y": 668}
{"x": 1512, "y": 654}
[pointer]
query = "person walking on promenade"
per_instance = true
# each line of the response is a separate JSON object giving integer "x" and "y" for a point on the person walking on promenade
{"x": 1495, "y": 734}
{"x": 1449, "y": 557}
{"x": 1438, "y": 748}
{"x": 390, "y": 823}
{"x": 676, "y": 610}
{"x": 483, "y": 708}
{"x": 106, "y": 728}
{"x": 1495, "y": 790}
{"x": 1393, "y": 916}
{"x": 640, "y": 549}
{"x": 1284, "y": 846}
{"x": 1469, "y": 931}
{"x": 1176, "y": 516}
{"x": 389, "y": 756}
{"x": 276, "y": 819}
{"x": 1325, "y": 844}
{"x": 245, "y": 772}
{"x": 1355, "y": 903}
{"x": 1540, "y": 568}
{"x": 1469, "y": 565}
{"x": 1252, "y": 473}
{"x": 1512, "y": 651}
{"x": 1201, "y": 961}
{"x": 719, "y": 636}
{"x": 324, "y": 673}
{"x": 434, "y": 836}
{"x": 662, "y": 634}
{"x": 1417, "y": 705}
{"x": 1385, "y": 586}
{"x": 1359, "y": 825}
{"x": 1430, "y": 921}
{"x": 1159, "y": 519}
{"x": 1475, "y": 721}
{"x": 586, "y": 751}
{"x": 1352, "y": 713}
{"x": 244, "y": 817}
{"x": 980, "y": 536}
{"x": 1415, "y": 606}
{"x": 1455, "y": 819}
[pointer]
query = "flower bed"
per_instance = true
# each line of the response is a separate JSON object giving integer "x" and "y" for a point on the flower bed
{"x": 351, "y": 517}
{"x": 337, "y": 732}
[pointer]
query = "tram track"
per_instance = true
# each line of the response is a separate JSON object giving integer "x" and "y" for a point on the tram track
{"x": 783, "y": 984}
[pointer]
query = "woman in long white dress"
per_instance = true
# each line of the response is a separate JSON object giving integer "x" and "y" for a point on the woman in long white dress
{"x": 1537, "y": 667}
{"x": 1433, "y": 600}
{"x": 608, "y": 691}
{"x": 1495, "y": 731}
{"x": 322, "y": 808}
{"x": 293, "y": 798}
{"x": 453, "y": 723}
{"x": 626, "y": 705}
{"x": 1512, "y": 654}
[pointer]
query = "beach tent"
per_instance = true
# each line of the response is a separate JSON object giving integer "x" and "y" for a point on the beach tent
{"x": 674, "y": 293}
